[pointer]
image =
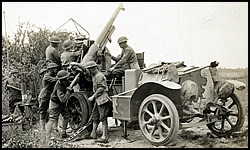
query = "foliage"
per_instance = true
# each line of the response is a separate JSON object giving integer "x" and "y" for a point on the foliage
{"x": 26, "y": 51}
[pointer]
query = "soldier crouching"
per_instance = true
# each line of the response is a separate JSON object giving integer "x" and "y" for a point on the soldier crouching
{"x": 58, "y": 101}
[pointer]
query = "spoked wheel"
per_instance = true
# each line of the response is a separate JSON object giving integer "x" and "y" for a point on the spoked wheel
{"x": 80, "y": 110}
{"x": 232, "y": 116}
{"x": 158, "y": 119}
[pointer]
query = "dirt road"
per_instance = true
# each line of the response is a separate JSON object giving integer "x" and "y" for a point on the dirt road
{"x": 196, "y": 137}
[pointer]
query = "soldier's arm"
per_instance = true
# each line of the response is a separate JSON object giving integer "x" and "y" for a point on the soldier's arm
{"x": 77, "y": 53}
{"x": 116, "y": 59}
{"x": 124, "y": 59}
{"x": 56, "y": 55}
{"x": 49, "y": 78}
{"x": 63, "y": 97}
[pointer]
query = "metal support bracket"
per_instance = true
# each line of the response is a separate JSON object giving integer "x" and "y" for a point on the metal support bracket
{"x": 125, "y": 134}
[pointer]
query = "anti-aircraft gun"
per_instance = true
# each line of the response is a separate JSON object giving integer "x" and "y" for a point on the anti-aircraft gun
{"x": 79, "y": 106}
{"x": 163, "y": 98}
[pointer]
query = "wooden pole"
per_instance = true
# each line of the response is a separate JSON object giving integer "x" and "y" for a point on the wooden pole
{"x": 8, "y": 62}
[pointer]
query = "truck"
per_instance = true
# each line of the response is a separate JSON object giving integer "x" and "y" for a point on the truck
{"x": 162, "y": 98}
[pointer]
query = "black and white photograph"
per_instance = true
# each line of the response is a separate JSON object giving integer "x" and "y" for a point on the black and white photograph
{"x": 124, "y": 74}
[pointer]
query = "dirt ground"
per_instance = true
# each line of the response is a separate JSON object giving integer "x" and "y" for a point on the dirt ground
{"x": 196, "y": 137}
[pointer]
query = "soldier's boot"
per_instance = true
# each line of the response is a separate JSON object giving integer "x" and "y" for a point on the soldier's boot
{"x": 104, "y": 138}
{"x": 64, "y": 127}
{"x": 50, "y": 125}
{"x": 42, "y": 125}
{"x": 42, "y": 121}
{"x": 55, "y": 126}
{"x": 93, "y": 133}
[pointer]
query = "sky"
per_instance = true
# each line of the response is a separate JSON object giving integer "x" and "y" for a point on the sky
{"x": 194, "y": 32}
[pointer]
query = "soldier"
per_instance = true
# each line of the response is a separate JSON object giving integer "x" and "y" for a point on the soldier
{"x": 58, "y": 101}
{"x": 102, "y": 105}
{"x": 68, "y": 55}
{"x": 127, "y": 59}
{"x": 52, "y": 53}
{"x": 13, "y": 87}
{"x": 48, "y": 83}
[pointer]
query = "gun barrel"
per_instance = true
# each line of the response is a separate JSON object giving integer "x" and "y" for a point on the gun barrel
{"x": 95, "y": 46}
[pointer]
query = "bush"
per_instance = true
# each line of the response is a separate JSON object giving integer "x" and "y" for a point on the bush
{"x": 25, "y": 52}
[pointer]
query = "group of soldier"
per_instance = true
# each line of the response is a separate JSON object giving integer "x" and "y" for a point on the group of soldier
{"x": 56, "y": 81}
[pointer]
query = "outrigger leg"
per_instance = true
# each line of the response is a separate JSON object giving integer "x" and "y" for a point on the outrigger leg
{"x": 125, "y": 134}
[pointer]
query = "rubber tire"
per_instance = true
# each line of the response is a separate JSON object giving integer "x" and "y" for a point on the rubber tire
{"x": 175, "y": 126}
{"x": 85, "y": 108}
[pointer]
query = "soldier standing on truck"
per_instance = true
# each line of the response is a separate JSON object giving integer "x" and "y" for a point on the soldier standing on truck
{"x": 52, "y": 53}
{"x": 127, "y": 59}
{"x": 102, "y": 103}
{"x": 58, "y": 101}
{"x": 13, "y": 88}
{"x": 48, "y": 83}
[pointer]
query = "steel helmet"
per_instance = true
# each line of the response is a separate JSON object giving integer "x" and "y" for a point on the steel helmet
{"x": 54, "y": 39}
{"x": 122, "y": 39}
{"x": 80, "y": 37}
{"x": 52, "y": 65}
{"x": 42, "y": 71}
{"x": 90, "y": 64}
{"x": 67, "y": 44}
{"x": 14, "y": 71}
{"x": 62, "y": 74}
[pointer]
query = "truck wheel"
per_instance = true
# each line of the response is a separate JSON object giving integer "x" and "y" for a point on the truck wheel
{"x": 232, "y": 118}
{"x": 80, "y": 110}
{"x": 158, "y": 119}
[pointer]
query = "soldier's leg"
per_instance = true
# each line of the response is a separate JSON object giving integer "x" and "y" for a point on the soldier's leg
{"x": 95, "y": 118}
{"x": 64, "y": 127}
{"x": 104, "y": 112}
{"x": 54, "y": 127}
{"x": 12, "y": 105}
{"x": 54, "y": 112}
{"x": 43, "y": 107}
{"x": 121, "y": 70}
{"x": 66, "y": 115}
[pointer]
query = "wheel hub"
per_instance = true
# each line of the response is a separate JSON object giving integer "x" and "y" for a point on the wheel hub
{"x": 155, "y": 119}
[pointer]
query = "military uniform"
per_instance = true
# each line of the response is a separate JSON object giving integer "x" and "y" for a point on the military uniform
{"x": 69, "y": 56}
{"x": 14, "y": 95}
{"x": 101, "y": 112}
{"x": 48, "y": 83}
{"x": 102, "y": 104}
{"x": 127, "y": 60}
{"x": 58, "y": 101}
{"x": 57, "y": 104}
{"x": 52, "y": 55}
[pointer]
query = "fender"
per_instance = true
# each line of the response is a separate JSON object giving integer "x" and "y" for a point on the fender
{"x": 167, "y": 88}
{"x": 237, "y": 84}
